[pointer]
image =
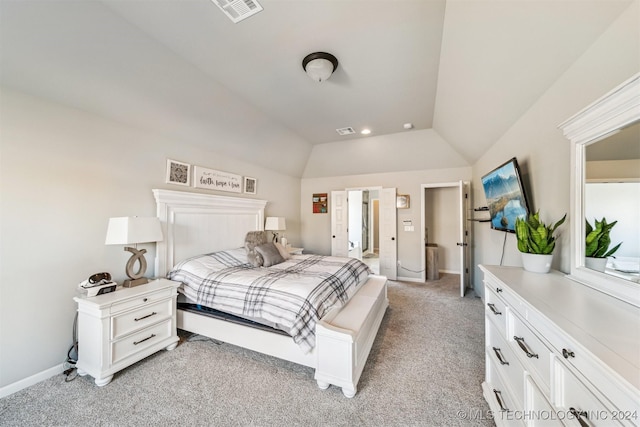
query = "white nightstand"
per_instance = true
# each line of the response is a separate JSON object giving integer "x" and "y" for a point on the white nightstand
{"x": 295, "y": 251}
{"x": 120, "y": 328}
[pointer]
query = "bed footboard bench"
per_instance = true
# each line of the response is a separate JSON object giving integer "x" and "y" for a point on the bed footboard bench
{"x": 344, "y": 337}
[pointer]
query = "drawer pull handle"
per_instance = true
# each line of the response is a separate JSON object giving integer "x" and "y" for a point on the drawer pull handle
{"x": 568, "y": 353}
{"x": 500, "y": 357}
{"x": 524, "y": 347}
{"x": 498, "y": 394}
{"x": 498, "y": 290}
{"x": 144, "y": 317}
{"x": 494, "y": 309}
{"x": 145, "y": 299}
{"x": 579, "y": 415}
{"x": 143, "y": 340}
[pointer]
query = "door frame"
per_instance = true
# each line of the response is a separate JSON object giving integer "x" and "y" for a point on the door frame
{"x": 464, "y": 229}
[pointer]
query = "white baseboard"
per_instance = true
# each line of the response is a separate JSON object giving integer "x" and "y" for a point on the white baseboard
{"x": 410, "y": 279}
{"x": 29, "y": 381}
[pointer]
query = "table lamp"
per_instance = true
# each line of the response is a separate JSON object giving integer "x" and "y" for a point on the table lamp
{"x": 274, "y": 224}
{"x": 133, "y": 230}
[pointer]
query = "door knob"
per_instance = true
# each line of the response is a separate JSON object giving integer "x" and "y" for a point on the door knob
{"x": 393, "y": 238}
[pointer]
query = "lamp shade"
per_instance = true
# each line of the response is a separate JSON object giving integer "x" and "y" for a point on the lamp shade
{"x": 133, "y": 229}
{"x": 275, "y": 223}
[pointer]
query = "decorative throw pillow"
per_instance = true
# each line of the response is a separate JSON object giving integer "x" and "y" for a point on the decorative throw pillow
{"x": 270, "y": 254}
{"x": 251, "y": 240}
{"x": 283, "y": 251}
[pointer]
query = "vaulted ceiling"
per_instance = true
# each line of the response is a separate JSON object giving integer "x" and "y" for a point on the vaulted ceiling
{"x": 466, "y": 69}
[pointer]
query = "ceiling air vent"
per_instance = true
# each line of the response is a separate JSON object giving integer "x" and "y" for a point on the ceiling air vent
{"x": 345, "y": 131}
{"x": 237, "y": 10}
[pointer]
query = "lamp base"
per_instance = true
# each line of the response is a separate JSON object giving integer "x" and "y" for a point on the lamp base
{"x": 135, "y": 282}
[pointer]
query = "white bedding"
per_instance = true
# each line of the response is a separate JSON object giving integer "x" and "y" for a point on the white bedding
{"x": 290, "y": 296}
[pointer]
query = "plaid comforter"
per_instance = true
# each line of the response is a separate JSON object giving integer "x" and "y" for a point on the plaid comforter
{"x": 290, "y": 296}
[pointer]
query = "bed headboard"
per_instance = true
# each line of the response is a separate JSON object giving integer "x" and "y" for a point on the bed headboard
{"x": 196, "y": 223}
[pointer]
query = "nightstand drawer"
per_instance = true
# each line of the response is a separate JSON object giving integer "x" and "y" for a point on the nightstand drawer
{"x": 141, "y": 300}
{"x": 139, "y": 341}
{"x": 131, "y": 321}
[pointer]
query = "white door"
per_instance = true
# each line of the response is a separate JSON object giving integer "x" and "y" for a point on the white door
{"x": 464, "y": 237}
{"x": 339, "y": 224}
{"x": 388, "y": 241}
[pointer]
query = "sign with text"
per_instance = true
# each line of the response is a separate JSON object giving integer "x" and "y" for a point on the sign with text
{"x": 217, "y": 180}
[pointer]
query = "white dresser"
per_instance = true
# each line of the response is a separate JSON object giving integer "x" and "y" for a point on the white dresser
{"x": 120, "y": 328}
{"x": 558, "y": 352}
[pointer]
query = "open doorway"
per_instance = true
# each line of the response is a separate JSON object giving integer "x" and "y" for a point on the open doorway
{"x": 364, "y": 225}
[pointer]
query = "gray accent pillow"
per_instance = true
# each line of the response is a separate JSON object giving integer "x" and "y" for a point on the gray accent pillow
{"x": 251, "y": 240}
{"x": 270, "y": 254}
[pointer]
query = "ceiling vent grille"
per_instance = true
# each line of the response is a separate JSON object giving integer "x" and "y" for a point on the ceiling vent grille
{"x": 345, "y": 131}
{"x": 237, "y": 10}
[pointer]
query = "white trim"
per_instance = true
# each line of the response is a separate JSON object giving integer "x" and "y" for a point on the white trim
{"x": 33, "y": 379}
{"x": 617, "y": 109}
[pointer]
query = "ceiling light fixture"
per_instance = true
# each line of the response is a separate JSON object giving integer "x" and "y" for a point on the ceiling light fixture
{"x": 319, "y": 65}
{"x": 365, "y": 131}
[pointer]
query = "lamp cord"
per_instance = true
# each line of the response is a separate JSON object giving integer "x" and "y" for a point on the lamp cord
{"x": 70, "y": 363}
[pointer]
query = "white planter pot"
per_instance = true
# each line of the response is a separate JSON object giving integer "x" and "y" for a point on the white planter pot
{"x": 597, "y": 264}
{"x": 537, "y": 263}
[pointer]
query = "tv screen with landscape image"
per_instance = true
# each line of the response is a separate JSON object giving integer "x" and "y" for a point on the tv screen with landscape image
{"x": 506, "y": 198}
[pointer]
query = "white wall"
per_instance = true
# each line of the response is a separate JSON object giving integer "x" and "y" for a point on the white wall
{"x": 542, "y": 150}
{"x": 316, "y": 228}
{"x": 63, "y": 173}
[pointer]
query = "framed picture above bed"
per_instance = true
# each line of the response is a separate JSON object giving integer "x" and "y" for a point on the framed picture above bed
{"x": 217, "y": 180}
{"x": 250, "y": 185}
{"x": 178, "y": 173}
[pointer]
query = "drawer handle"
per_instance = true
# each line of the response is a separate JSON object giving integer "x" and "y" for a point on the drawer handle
{"x": 494, "y": 309}
{"x": 500, "y": 357}
{"x": 579, "y": 415}
{"x": 524, "y": 347}
{"x": 144, "y": 317}
{"x": 498, "y": 290}
{"x": 143, "y": 340}
{"x": 568, "y": 353}
{"x": 498, "y": 394}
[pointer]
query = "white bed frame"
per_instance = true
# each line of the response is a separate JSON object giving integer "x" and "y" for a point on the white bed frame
{"x": 195, "y": 223}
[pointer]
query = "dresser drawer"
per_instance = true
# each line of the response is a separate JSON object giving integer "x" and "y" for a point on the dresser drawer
{"x": 495, "y": 309}
{"x": 125, "y": 323}
{"x": 538, "y": 410}
{"x": 500, "y": 397}
{"x": 579, "y": 403}
{"x": 535, "y": 355}
{"x": 505, "y": 362}
{"x": 140, "y": 341}
{"x": 140, "y": 300}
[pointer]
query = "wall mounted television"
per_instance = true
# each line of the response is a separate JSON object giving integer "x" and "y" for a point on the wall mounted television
{"x": 506, "y": 197}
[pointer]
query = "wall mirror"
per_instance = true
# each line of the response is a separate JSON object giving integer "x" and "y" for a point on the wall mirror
{"x": 605, "y": 182}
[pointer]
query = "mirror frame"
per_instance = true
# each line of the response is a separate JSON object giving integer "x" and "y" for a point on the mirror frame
{"x": 615, "y": 110}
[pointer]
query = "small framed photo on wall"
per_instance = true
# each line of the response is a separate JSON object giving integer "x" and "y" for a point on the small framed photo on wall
{"x": 402, "y": 201}
{"x": 178, "y": 173}
{"x": 250, "y": 185}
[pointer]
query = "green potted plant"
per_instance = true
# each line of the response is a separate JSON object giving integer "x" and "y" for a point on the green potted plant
{"x": 536, "y": 242}
{"x": 597, "y": 242}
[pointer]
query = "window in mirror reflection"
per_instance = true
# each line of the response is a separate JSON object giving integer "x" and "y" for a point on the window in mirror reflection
{"x": 612, "y": 191}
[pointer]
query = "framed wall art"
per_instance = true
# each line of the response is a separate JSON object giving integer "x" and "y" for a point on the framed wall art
{"x": 178, "y": 173}
{"x": 319, "y": 203}
{"x": 402, "y": 201}
{"x": 250, "y": 185}
{"x": 217, "y": 180}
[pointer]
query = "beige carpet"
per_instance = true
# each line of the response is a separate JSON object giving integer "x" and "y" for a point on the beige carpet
{"x": 425, "y": 369}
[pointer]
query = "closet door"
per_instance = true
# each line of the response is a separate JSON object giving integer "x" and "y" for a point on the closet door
{"x": 388, "y": 240}
{"x": 339, "y": 224}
